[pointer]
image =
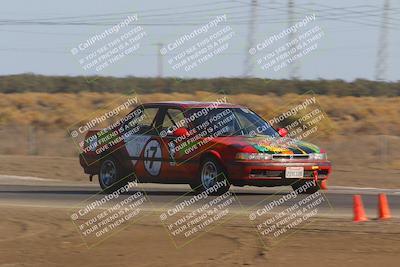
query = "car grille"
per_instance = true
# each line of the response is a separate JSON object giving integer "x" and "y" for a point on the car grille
{"x": 266, "y": 173}
{"x": 290, "y": 156}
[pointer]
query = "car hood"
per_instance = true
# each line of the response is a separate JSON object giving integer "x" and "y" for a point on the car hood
{"x": 278, "y": 145}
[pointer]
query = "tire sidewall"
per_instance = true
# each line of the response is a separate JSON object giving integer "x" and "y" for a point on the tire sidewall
{"x": 221, "y": 175}
{"x": 118, "y": 175}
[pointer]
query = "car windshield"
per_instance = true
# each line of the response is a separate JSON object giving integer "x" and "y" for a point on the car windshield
{"x": 230, "y": 122}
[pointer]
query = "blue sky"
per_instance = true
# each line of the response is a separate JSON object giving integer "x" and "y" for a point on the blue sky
{"x": 348, "y": 49}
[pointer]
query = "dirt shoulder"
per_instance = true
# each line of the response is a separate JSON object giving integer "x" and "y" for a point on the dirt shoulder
{"x": 46, "y": 237}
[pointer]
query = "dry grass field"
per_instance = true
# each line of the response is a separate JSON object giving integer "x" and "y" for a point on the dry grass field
{"x": 362, "y": 115}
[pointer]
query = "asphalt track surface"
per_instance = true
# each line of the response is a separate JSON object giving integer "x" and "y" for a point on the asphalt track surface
{"x": 47, "y": 193}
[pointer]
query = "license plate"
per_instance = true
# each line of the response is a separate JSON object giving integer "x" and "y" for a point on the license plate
{"x": 294, "y": 172}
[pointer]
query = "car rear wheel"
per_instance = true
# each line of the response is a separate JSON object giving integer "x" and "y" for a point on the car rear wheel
{"x": 308, "y": 190}
{"x": 211, "y": 174}
{"x": 111, "y": 175}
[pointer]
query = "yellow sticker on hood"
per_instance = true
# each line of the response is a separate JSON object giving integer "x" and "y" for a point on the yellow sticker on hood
{"x": 273, "y": 149}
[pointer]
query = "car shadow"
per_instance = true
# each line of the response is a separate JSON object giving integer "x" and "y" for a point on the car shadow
{"x": 130, "y": 192}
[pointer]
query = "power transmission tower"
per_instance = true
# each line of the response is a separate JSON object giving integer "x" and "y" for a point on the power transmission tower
{"x": 160, "y": 64}
{"x": 382, "y": 56}
{"x": 249, "y": 60}
{"x": 295, "y": 66}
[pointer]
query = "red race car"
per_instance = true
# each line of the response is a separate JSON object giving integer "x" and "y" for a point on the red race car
{"x": 208, "y": 145}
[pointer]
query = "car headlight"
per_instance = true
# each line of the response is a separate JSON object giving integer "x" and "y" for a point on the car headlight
{"x": 318, "y": 156}
{"x": 253, "y": 156}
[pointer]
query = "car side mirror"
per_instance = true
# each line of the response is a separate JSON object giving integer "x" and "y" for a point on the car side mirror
{"x": 180, "y": 132}
{"x": 282, "y": 132}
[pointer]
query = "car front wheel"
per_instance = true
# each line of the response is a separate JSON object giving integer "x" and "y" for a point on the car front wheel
{"x": 211, "y": 175}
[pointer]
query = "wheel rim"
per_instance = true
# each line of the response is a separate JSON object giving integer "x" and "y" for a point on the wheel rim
{"x": 208, "y": 174}
{"x": 108, "y": 172}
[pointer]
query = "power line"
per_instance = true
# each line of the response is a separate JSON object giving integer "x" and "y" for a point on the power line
{"x": 329, "y": 15}
{"x": 345, "y": 14}
{"x": 131, "y": 12}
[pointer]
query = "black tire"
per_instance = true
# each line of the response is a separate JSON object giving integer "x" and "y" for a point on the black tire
{"x": 309, "y": 190}
{"x": 216, "y": 174}
{"x": 115, "y": 181}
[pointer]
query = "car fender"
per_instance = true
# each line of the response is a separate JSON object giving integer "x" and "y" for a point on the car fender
{"x": 216, "y": 155}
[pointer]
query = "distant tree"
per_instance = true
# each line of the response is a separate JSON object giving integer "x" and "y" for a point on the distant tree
{"x": 29, "y": 82}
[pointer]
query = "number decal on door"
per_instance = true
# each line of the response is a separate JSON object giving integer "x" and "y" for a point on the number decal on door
{"x": 153, "y": 157}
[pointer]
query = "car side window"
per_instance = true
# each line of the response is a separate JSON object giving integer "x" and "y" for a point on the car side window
{"x": 144, "y": 120}
{"x": 149, "y": 115}
{"x": 174, "y": 118}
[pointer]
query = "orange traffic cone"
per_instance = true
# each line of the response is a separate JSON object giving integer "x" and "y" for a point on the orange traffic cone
{"x": 383, "y": 207}
{"x": 324, "y": 185}
{"x": 359, "y": 213}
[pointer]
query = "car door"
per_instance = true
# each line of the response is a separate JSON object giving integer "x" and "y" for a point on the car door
{"x": 142, "y": 142}
{"x": 178, "y": 165}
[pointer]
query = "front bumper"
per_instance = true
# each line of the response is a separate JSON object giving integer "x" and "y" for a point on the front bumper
{"x": 272, "y": 173}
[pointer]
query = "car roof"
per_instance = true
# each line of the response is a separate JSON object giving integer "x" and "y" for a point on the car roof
{"x": 191, "y": 104}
